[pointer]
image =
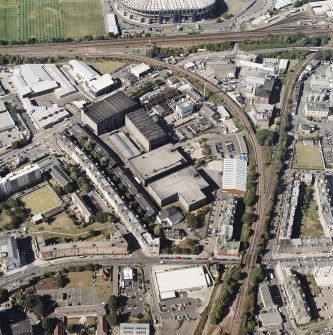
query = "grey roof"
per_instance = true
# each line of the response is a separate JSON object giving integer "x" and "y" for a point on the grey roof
{"x": 146, "y": 125}
{"x": 168, "y": 212}
{"x": 60, "y": 175}
{"x": 270, "y": 319}
{"x": 134, "y": 329}
{"x": 21, "y": 328}
{"x": 113, "y": 105}
{"x": 8, "y": 245}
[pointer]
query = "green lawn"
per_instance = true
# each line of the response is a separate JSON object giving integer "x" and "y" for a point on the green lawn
{"x": 307, "y": 157}
{"x": 41, "y": 200}
{"x": 80, "y": 279}
{"x": 310, "y": 226}
{"x": 47, "y": 19}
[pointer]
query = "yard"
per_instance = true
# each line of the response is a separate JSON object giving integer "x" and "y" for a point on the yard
{"x": 307, "y": 157}
{"x": 47, "y": 19}
{"x": 80, "y": 279}
{"x": 62, "y": 226}
{"x": 107, "y": 66}
{"x": 103, "y": 287}
{"x": 41, "y": 200}
{"x": 310, "y": 226}
{"x": 4, "y": 219}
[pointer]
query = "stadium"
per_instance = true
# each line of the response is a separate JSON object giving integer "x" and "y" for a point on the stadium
{"x": 165, "y": 11}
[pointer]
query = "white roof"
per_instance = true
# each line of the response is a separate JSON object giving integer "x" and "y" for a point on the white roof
{"x": 169, "y": 5}
{"x": 139, "y": 69}
{"x": 101, "y": 82}
{"x": 37, "y": 78}
{"x": 84, "y": 70}
{"x": 2, "y": 106}
{"x": 17, "y": 174}
{"x": 222, "y": 111}
{"x": 128, "y": 273}
{"x": 234, "y": 175}
{"x": 6, "y": 121}
{"x": 112, "y": 24}
{"x": 178, "y": 280}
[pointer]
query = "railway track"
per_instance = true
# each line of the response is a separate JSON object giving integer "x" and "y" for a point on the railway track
{"x": 80, "y": 48}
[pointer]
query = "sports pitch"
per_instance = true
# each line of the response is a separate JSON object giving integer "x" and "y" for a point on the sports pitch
{"x": 307, "y": 157}
{"x": 41, "y": 200}
{"x": 47, "y": 19}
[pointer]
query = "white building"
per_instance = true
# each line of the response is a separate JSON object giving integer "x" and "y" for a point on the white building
{"x": 6, "y": 121}
{"x": 225, "y": 115}
{"x": 317, "y": 109}
{"x": 134, "y": 329}
{"x": 171, "y": 281}
{"x": 140, "y": 70}
{"x": 16, "y": 181}
{"x": 112, "y": 24}
{"x": 93, "y": 82}
{"x": 234, "y": 176}
{"x": 33, "y": 80}
{"x": 184, "y": 109}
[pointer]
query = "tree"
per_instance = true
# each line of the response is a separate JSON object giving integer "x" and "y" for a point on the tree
{"x": 158, "y": 230}
{"x": 48, "y": 326}
{"x": 248, "y": 217}
{"x": 68, "y": 188}
{"x": 113, "y": 303}
{"x": 4, "y": 295}
{"x": 59, "y": 280}
{"x": 192, "y": 221}
{"x": 112, "y": 319}
{"x": 265, "y": 137}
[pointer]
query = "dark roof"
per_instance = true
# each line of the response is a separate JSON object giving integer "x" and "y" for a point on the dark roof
{"x": 60, "y": 175}
{"x": 21, "y": 328}
{"x": 145, "y": 204}
{"x": 168, "y": 212}
{"x": 113, "y": 105}
{"x": 268, "y": 85}
{"x": 146, "y": 125}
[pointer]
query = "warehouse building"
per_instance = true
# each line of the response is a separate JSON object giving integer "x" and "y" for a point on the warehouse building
{"x": 93, "y": 82}
{"x": 234, "y": 176}
{"x": 33, "y": 80}
{"x": 145, "y": 131}
{"x": 165, "y": 11}
{"x": 6, "y": 121}
{"x": 112, "y": 24}
{"x": 186, "y": 186}
{"x": 109, "y": 113}
{"x": 157, "y": 163}
{"x": 171, "y": 281}
{"x": 124, "y": 145}
{"x": 140, "y": 70}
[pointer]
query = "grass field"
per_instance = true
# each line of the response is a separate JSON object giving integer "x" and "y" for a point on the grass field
{"x": 41, "y": 200}
{"x": 103, "y": 287}
{"x": 80, "y": 279}
{"x": 307, "y": 157}
{"x": 107, "y": 66}
{"x": 4, "y": 219}
{"x": 47, "y": 19}
{"x": 310, "y": 226}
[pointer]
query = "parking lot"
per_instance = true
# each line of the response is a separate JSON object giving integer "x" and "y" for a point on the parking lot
{"x": 324, "y": 303}
{"x": 182, "y": 308}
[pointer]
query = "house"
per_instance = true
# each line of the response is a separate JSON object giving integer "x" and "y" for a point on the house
{"x": 170, "y": 215}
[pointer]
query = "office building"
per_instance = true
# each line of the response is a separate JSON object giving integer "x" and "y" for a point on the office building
{"x": 184, "y": 109}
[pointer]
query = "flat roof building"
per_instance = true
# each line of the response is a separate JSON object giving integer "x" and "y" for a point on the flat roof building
{"x": 171, "y": 281}
{"x": 109, "y": 113}
{"x": 37, "y": 79}
{"x": 112, "y": 24}
{"x": 185, "y": 186}
{"x": 9, "y": 253}
{"x": 145, "y": 130}
{"x": 6, "y": 121}
{"x": 124, "y": 145}
{"x": 134, "y": 329}
{"x": 234, "y": 176}
{"x": 16, "y": 181}
{"x": 140, "y": 70}
{"x": 157, "y": 163}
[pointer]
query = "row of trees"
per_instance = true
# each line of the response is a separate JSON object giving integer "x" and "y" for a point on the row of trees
{"x": 266, "y": 137}
{"x": 89, "y": 146}
{"x": 228, "y": 290}
{"x": 31, "y": 301}
{"x": 295, "y": 40}
{"x": 79, "y": 178}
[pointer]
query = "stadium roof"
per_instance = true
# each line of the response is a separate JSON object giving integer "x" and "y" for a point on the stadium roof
{"x": 146, "y": 125}
{"x": 163, "y": 5}
{"x": 180, "y": 280}
{"x": 234, "y": 176}
{"x": 110, "y": 106}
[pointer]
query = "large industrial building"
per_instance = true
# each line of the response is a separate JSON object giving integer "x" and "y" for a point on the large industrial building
{"x": 165, "y": 11}
{"x": 109, "y": 113}
{"x": 185, "y": 186}
{"x": 157, "y": 163}
{"x": 172, "y": 281}
{"x": 93, "y": 82}
{"x": 6, "y": 121}
{"x": 16, "y": 181}
{"x": 33, "y": 80}
{"x": 145, "y": 131}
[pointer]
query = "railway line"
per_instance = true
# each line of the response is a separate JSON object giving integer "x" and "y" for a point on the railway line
{"x": 105, "y": 47}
